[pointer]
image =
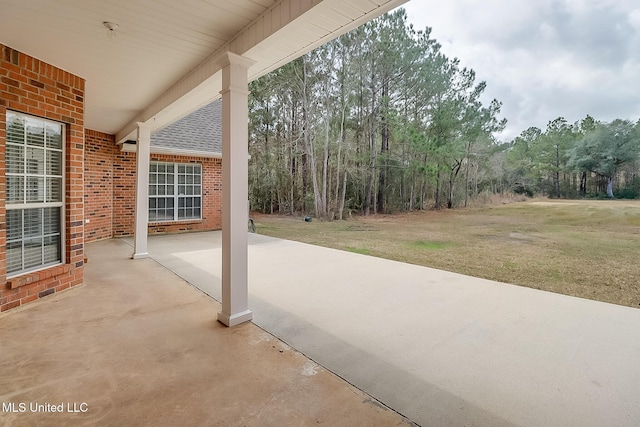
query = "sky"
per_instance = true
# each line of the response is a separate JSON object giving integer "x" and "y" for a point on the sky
{"x": 543, "y": 59}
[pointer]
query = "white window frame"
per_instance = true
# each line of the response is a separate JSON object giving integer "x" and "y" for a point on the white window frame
{"x": 25, "y": 205}
{"x": 173, "y": 190}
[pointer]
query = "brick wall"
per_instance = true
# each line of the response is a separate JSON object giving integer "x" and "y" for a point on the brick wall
{"x": 110, "y": 179}
{"x": 124, "y": 190}
{"x": 30, "y": 86}
{"x": 99, "y": 152}
{"x": 124, "y": 181}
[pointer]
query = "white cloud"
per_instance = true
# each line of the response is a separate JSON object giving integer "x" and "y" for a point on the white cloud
{"x": 544, "y": 59}
{"x": 634, "y": 19}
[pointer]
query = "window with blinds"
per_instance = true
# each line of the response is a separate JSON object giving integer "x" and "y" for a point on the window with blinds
{"x": 34, "y": 174}
{"x": 175, "y": 191}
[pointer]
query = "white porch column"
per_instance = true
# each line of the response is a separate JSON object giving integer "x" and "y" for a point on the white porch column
{"x": 142, "y": 191}
{"x": 235, "y": 189}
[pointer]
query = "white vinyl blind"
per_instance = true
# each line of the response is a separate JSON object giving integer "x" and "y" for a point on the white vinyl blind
{"x": 34, "y": 173}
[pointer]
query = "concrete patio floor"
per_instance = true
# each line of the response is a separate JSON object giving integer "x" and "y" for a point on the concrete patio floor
{"x": 138, "y": 346}
{"x": 440, "y": 348}
{"x": 141, "y": 346}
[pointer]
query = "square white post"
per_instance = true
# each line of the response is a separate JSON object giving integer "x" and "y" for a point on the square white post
{"x": 235, "y": 189}
{"x": 142, "y": 191}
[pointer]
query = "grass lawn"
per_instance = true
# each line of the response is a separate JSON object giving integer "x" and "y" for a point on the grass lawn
{"x": 586, "y": 248}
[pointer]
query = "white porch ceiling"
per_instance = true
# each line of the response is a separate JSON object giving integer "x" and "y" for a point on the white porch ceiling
{"x": 162, "y": 63}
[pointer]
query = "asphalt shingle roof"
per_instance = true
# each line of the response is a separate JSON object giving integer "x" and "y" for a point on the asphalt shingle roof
{"x": 199, "y": 131}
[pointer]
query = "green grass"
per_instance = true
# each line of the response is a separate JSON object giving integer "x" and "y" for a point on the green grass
{"x": 420, "y": 244}
{"x": 586, "y": 248}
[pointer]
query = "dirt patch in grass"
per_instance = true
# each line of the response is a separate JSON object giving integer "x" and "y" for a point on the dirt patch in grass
{"x": 589, "y": 249}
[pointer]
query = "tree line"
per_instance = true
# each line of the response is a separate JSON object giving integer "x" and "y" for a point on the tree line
{"x": 380, "y": 121}
{"x": 585, "y": 159}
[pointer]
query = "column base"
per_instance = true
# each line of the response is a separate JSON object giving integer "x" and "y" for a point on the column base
{"x": 140, "y": 256}
{"x": 234, "y": 319}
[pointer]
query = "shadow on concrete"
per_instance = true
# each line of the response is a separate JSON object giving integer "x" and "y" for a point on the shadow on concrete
{"x": 411, "y": 396}
{"x": 438, "y": 347}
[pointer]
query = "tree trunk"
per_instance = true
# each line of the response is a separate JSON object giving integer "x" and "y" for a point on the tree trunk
{"x": 610, "y": 187}
{"x": 583, "y": 184}
{"x": 292, "y": 156}
{"x": 384, "y": 148}
{"x": 372, "y": 149}
{"x": 309, "y": 163}
{"x": 370, "y": 179}
{"x": 343, "y": 197}
{"x": 466, "y": 174}
{"x": 339, "y": 159}
{"x": 556, "y": 175}
{"x": 438, "y": 202}
{"x": 325, "y": 159}
{"x": 475, "y": 180}
{"x": 412, "y": 192}
{"x": 452, "y": 182}
{"x": 325, "y": 152}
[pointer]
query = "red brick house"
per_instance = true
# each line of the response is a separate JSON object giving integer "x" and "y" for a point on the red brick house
{"x": 80, "y": 80}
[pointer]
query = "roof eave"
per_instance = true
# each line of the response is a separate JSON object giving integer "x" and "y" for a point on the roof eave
{"x": 170, "y": 151}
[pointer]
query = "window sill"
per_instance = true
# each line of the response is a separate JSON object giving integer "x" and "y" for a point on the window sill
{"x": 36, "y": 276}
{"x": 179, "y": 222}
